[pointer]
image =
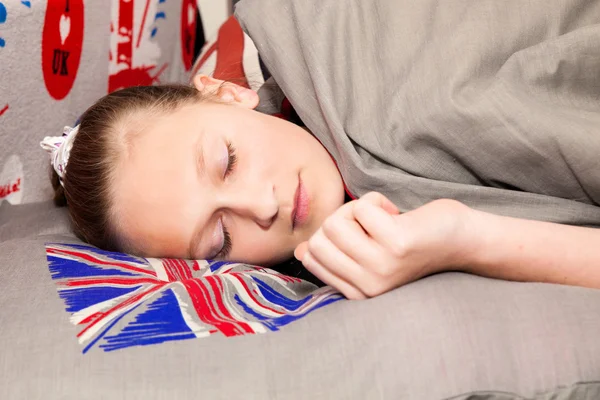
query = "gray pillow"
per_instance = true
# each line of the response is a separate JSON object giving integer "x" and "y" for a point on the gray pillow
{"x": 448, "y": 336}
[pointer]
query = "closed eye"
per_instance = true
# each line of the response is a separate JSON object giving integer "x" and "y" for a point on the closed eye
{"x": 231, "y": 163}
{"x": 226, "y": 245}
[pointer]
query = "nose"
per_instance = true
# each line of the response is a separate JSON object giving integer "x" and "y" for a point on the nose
{"x": 254, "y": 201}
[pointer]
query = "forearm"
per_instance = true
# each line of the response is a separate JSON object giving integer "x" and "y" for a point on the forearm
{"x": 523, "y": 250}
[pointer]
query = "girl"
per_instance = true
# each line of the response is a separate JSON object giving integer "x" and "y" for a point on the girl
{"x": 196, "y": 172}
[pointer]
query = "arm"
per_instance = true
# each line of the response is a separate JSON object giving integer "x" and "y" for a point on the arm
{"x": 367, "y": 248}
{"x": 523, "y": 250}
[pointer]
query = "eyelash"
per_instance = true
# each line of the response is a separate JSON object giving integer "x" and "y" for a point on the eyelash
{"x": 230, "y": 167}
{"x": 232, "y": 159}
{"x": 226, "y": 245}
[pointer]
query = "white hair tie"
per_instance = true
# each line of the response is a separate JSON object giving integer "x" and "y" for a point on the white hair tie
{"x": 59, "y": 148}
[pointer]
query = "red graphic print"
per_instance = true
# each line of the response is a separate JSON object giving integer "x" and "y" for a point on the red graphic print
{"x": 62, "y": 39}
{"x": 230, "y": 54}
{"x": 130, "y": 76}
{"x": 10, "y": 188}
{"x": 188, "y": 32}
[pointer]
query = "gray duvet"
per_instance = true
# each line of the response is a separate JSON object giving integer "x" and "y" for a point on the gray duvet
{"x": 493, "y": 103}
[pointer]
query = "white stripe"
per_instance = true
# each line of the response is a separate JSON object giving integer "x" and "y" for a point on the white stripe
{"x": 197, "y": 329}
{"x": 159, "y": 268}
{"x": 232, "y": 307}
{"x": 256, "y": 306}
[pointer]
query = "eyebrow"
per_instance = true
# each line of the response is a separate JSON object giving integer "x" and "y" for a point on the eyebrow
{"x": 200, "y": 167}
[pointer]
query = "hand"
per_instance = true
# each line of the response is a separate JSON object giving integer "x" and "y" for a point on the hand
{"x": 366, "y": 247}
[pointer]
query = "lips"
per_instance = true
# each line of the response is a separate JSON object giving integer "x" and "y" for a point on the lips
{"x": 301, "y": 206}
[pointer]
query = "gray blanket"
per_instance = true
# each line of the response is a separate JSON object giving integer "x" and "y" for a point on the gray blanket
{"x": 493, "y": 103}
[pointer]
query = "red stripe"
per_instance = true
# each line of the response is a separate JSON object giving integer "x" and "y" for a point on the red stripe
{"x": 168, "y": 269}
{"x": 177, "y": 269}
{"x": 254, "y": 299}
{"x": 156, "y": 77}
{"x": 229, "y": 326}
{"x": 93, "y": 259}
{"x": 143, "y": 23}
{"x": 201, "y": 301}
{"x": 353, "y": 197}
{"x": 196, "y": 266}
{"x": 217, "y": 286}
{"x": 230, "y": 43}
{"x": 3, "y": 110}
{"x": 184, "y": 270}
{"x": 111, "y": 281}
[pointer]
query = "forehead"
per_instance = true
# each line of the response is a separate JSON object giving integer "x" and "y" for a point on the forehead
{"x": 153, "y": 182}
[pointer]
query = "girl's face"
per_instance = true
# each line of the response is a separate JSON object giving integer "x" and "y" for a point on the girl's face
{"x": 214, "y": 180}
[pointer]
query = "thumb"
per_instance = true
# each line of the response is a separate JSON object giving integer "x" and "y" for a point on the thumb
{"x": 380, "y": 200}
{"x": 301, "y": 250}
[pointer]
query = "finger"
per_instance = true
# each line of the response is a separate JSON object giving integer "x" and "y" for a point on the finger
{"x": 334, "y": 260}
{"x": 380, "y": 200}
{"x": 351, "y": 239}
{"x": 300, "y": 250}
{"x": 330, "y": 279}
{"x": 380, "y": 225}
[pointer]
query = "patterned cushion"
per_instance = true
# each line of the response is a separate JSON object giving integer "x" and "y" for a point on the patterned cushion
{"x": 117, "y": 300}
{"x": 230, "y": 55}
{"x": 59, "y": 56}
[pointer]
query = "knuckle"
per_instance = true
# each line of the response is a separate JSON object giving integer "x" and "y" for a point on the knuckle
{"x": 345, "y": 208}
{"x": 331, "y": 227}
{"x": 397, "y": 248}
{"x": 383, "y": 270}
{"x": 372, "y": 197}
{"x": 360, "y": 204}
{"x": 315, "y": 244}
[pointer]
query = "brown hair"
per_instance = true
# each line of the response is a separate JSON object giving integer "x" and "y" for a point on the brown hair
{"x": 103, "y": 129}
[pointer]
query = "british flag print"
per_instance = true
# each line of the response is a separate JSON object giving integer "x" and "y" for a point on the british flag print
{"x": 118, "y": 300}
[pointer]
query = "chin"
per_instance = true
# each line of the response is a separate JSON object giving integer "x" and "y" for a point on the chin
{"x": 274, "y": 262}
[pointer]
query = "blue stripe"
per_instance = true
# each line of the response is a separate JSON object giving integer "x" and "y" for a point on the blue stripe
{"x": 162, "y": 321}
{"x": 80, "y": 298}
{"x": 215, "y": 265}
{"x": 274, "y": 323}
{"x": 277, "y": 298}
{"x": 61, "y": 268}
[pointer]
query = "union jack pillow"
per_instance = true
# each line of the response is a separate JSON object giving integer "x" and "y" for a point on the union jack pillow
{"x": 118, "y": 300}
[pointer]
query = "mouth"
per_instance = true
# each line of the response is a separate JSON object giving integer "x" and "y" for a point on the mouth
{"x": 301, "y": 208}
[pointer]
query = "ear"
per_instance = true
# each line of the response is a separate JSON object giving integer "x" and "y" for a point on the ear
{"x": 227, "y": 92}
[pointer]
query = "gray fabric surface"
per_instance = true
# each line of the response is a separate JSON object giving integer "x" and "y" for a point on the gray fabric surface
{"x": 493, "y": 103}
{"x": 447, "y": 336}
{"x": 31, "y": 220}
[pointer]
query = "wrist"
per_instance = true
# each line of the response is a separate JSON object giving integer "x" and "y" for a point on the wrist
{"x": 470, "y": 239}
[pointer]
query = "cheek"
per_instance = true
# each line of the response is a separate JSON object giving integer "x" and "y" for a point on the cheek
{"x": 262, "y": 248}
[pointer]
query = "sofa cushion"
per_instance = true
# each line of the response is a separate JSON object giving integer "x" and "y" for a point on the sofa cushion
{"x": 447, "y": 336}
